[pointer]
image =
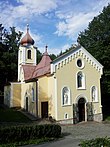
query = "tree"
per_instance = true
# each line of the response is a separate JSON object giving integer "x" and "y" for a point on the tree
{"x": 52, "y": 56}
{"x": 96, "y": 39}
{"x": 9, "y": 43}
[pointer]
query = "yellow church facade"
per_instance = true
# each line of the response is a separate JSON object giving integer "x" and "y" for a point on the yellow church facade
{"x": 66, "y": 89}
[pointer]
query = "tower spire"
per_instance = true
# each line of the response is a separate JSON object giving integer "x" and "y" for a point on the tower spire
{"x": 46, "y": 47}
{"x": 27, "y": 27}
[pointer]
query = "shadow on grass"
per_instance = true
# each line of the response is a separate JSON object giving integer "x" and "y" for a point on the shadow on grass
{"x": 9, "y": 115}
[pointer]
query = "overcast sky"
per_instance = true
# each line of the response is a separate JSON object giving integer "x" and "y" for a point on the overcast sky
{"x": 55, "y": 23}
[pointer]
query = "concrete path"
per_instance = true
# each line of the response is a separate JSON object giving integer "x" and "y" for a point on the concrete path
{"x": 74, "y": 134}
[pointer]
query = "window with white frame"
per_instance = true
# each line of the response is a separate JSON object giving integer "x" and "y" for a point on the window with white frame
{"x": 66, "y": 96}
{"x": 33, "y": 98}
{"x": 80, "y": 80}
{"x": 80, "y": 63}
{"x": 29, "y": 54}
{"x": 94, "y": 94}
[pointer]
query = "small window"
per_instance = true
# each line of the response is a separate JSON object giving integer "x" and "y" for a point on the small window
{"x": 79, "y": 63}
{"x": 29, "y": 54}
{"x": 66, "y": 116}
{"x": 94, "y": 94}
{"x": 65, "y": 96}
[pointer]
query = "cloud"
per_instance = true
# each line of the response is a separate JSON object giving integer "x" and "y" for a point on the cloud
{"x": 57, "y": 51}
{"x": 39, "y": 6}
{"x": 24, "y": 10}
{"x": 64, "y": 17}
{"x": 73, "y": 22}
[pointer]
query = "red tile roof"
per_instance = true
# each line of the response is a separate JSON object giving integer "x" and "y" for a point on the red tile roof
{"x": 28, "y": 71}
{"x": 43, "y": 68}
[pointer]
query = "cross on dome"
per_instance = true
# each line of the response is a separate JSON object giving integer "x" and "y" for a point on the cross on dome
{"x": 27, "y": 39}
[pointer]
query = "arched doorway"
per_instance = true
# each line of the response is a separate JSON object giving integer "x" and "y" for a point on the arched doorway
{"x": 81, "y": 108}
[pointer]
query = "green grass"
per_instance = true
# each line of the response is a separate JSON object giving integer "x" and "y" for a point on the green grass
{"x": 12, "y": 115}
{"x": 34, "y": 141}
{"x": 107, "y": 118}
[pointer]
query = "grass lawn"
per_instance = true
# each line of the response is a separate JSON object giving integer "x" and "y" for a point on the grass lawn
{"x": 12, "y": 115}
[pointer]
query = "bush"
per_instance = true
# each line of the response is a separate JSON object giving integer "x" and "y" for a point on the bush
{"x": 23, "y": 133}
{"x": 98, "y": 142}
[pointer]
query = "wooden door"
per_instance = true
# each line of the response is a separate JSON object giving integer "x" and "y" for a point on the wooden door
{"x": 44, "y": 109}
{"x": 81, "y": 107}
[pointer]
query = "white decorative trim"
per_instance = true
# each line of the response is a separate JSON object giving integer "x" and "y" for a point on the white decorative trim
{"x": 35, "y": 56}
{"x": 79, "y": 51}
{"x": 83, "y": 64}
{"x": 11, "y": 96}
{"x": 80, "y": 96}
{"x": 56, "y": 105}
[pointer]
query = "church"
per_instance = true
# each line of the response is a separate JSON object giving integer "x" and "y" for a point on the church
{"x": 66, "y": 89}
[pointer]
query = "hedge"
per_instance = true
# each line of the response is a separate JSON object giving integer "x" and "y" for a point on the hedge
{"x": 23, "y": 133}
{"x": 97, "y": 142}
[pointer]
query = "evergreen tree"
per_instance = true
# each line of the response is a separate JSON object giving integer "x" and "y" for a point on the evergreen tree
{"x": 96, "y": 39}
{"x": 9, "y": 43}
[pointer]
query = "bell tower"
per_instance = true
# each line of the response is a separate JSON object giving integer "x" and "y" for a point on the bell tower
{"x": 26, "y": 53}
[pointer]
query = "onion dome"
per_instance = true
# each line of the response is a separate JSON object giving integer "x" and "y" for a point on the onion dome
{"x": 27, "y": 39}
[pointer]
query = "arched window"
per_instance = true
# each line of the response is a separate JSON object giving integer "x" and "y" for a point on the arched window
{"x": 80, "y": 80}
{"x": 33, "y": 98}
{"x": 94, "y": 94}
{"x": 29, "y": 54}
{"x": 65, "y": 96}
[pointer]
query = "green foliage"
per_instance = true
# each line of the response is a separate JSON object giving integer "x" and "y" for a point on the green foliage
{"x": 9, "y": 43}
{"x": 98, "y": 142}
{"x": 24, "y": 133}
{"x": 27, "y": 142}
{"x": 39, "y": 56}
{"x": 96, "y": 39}
{"x": 52, "y": 56}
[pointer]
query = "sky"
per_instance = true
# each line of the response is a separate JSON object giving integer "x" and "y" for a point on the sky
{"x": 55, "y": 23}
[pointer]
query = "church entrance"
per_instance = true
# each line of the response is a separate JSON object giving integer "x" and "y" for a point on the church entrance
{"x": 81, "y": 108}
{"x": 44, "y": 109}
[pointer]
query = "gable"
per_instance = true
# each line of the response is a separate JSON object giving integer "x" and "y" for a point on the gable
{"x": 73, "y": 54}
